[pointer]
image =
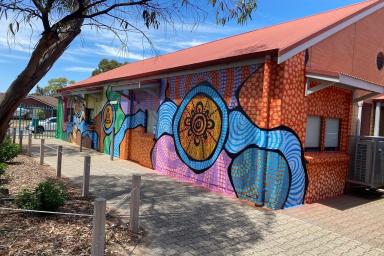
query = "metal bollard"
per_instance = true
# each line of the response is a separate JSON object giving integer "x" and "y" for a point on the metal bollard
{"x": 135, "y": 204}
{"x": 81, "y": 143}
{"x": 42, "y": 152}
{"x": 59, "y": 160}
{"x": 86, "y": 174}
{"x": 98, "y": 231}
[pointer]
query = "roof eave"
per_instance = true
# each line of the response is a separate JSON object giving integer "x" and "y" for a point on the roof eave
{"x": 166, "y": 72}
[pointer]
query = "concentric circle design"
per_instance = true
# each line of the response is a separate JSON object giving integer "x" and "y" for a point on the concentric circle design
{"x": 108, "y": 118}
{"x": 200, "y": 127}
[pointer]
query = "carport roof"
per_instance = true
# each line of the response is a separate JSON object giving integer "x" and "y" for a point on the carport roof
{"x": 284, "y": 40}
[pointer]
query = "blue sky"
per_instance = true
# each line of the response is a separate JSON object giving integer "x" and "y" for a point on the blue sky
{"x": 87, "y": 50}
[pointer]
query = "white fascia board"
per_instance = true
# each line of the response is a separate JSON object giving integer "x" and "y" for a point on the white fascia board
{"x": 328, "y": 33}
{"x": 325, "y": 78}
{"x": 360, "y": 84}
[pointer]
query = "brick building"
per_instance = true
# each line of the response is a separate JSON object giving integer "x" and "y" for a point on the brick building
{"x": 265, "y": 115}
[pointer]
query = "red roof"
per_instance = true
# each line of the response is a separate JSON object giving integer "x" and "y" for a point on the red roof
{"x": 274, "y": 39}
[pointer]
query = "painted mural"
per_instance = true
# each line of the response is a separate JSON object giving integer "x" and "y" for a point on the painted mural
{"x": 208, "y": 139}
{"x": 203, "y": 135}
{"x": 78, "y": 127}
{"x": 116, "y": 118}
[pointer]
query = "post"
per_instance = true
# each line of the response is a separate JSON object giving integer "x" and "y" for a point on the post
{"x": 376, "y": 131}
{"x": 59, "y": 160}
{"x": 112, "y": 149}
{"x": 81, "y": 143}
{"x": 42, "y": 152}
{"x": 14, "y": 135}
{"x": 98, "y": 231}
{"x": 87, "y": 168}
{"x": 359, "y": 116}
{"x": 135, "y": 204}
{"x": 29, "y": 150}
{"x": 21, "y": 139}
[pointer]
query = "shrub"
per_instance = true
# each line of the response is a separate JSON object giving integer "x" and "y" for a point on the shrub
{"x": 8, "y": 151}
{"x": 26, "y": 199}
{"x": 47, "y": 196}
{"x": 3, "y": 167}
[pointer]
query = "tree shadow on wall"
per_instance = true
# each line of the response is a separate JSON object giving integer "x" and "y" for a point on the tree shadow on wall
{"x": 181, "y": 217}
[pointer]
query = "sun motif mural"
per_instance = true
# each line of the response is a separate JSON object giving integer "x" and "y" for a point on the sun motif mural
{"x": 200, "y": 127}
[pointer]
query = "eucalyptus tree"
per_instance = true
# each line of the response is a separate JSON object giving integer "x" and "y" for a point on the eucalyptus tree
{"x": 61, "y": 21}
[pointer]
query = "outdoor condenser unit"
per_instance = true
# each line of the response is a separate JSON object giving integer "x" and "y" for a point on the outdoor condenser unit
{"x": 368, "y": 166}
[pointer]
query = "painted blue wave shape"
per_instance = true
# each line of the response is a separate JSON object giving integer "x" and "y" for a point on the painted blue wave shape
{"x": 261, "y": 177}
{"x": 244, "y": 133}
{"x": 166, "y": 113}
{"x": 129, "y": 122}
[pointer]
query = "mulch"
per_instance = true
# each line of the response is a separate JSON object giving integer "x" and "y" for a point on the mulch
{"x": 37, "y": 234}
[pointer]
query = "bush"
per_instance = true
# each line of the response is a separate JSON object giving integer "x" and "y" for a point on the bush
{"x": 26, "y": 199}
{"x": 3, "y": 167}
{"x": 8, "y": 151}
{"x": 47, "y": 196}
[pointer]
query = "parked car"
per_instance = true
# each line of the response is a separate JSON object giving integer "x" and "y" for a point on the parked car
{"x": 20, "y": 112}
{"x": 48, "y": 124}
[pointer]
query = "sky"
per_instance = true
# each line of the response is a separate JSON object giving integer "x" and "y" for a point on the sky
{"x": 91, "y": 46}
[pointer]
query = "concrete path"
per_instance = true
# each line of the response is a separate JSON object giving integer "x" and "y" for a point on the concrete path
{"x": 181, "y": 219}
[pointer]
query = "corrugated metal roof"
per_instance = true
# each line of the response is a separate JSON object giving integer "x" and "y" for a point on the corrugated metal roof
{"x": 278, "y": 39}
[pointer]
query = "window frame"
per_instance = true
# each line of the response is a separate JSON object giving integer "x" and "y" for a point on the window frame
{"x": 322, "y": 135}
{"x": 314, "y": 149}
{"x": 337, "y": 148}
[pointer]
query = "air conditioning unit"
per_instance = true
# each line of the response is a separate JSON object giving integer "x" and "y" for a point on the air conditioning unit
{"x": 367, "y": 167}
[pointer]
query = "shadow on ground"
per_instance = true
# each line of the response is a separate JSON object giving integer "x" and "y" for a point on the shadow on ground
{"x": 182, "y": 218}
{"x": 356, "y": 197}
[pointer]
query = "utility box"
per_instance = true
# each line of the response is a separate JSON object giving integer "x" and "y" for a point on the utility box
{"x": 367, "y": 166}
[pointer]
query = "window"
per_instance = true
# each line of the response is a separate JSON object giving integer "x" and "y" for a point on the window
{"x": 151, "y": 121}
{"x": 380, "y": 61}
{"x": 312, "y": 138}
{"x": 332, "y": 129}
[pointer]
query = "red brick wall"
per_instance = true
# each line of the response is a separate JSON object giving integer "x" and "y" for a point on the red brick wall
{"x": 290, "y": 107}
{"x": 353, "y": 50}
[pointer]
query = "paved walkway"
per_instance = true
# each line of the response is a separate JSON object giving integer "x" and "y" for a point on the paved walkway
{"x": 182, "y": 219}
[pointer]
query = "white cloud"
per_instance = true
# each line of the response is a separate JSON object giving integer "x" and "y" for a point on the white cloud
{"x": 79, "y": 69}
{"x": 105, "y": 50}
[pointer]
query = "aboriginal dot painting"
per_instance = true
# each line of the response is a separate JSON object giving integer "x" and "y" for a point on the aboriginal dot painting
{"x": 204, "y": 136}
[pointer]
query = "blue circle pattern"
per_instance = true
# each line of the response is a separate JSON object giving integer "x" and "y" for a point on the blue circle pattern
{"x": 206, "y": 89}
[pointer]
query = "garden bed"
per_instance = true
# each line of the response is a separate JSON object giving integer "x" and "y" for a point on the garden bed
{"x": 31, "y": 234}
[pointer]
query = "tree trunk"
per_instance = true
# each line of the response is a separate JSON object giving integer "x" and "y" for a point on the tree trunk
{"x": 48, "y": 50}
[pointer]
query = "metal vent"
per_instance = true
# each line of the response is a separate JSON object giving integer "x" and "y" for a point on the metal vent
{"x": 361, "y": 163}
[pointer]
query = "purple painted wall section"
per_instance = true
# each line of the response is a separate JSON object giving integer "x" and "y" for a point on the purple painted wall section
{"x": 166, "y": 162}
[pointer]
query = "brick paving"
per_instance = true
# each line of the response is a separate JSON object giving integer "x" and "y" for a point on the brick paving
{"x": 181, "y": 219}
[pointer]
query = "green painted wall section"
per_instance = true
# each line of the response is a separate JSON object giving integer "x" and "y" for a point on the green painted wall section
{"x": 60, "y": 134}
